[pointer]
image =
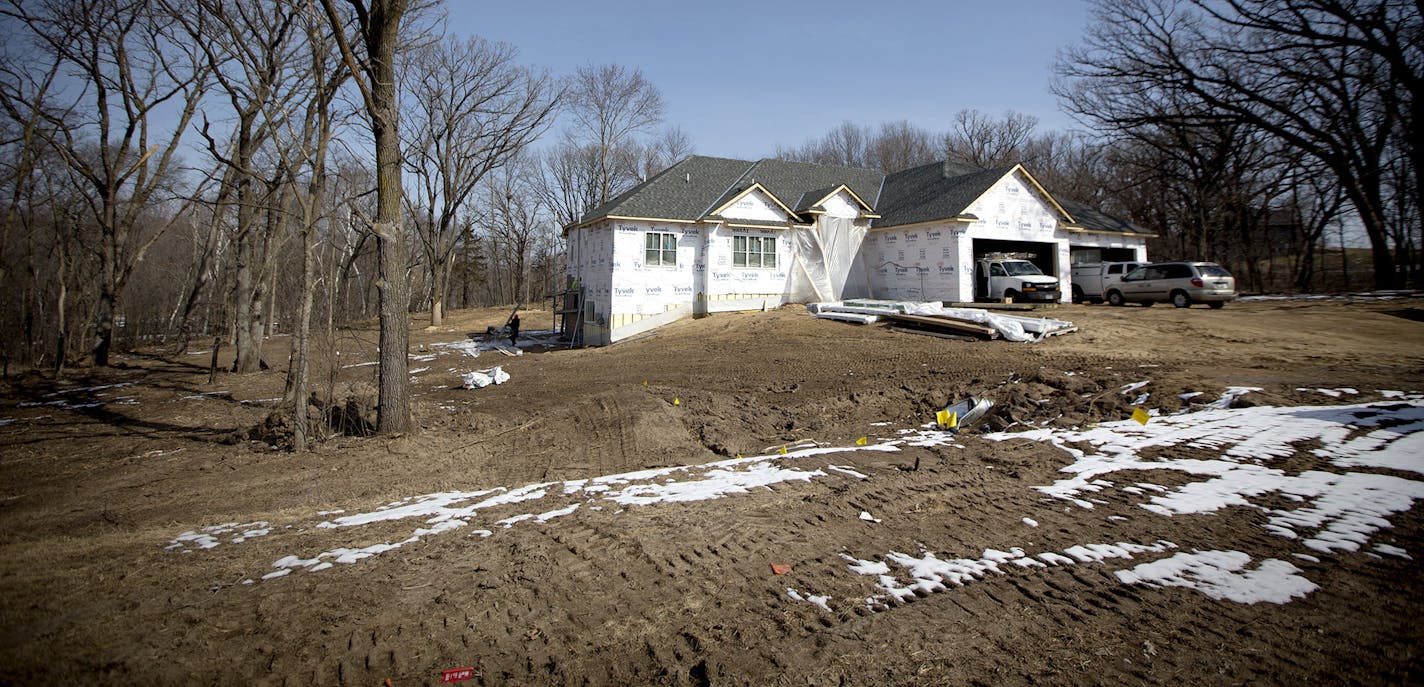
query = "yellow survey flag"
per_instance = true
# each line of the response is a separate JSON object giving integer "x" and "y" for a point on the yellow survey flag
{"x": 1140, "y": 415}
{"x": 783, "y": 450}
{"x": 861, "y": 441}
{"x": 953, "y": 420}
{"x": 645, "y": 382}
{"x": 942, "y": 417}
{"x": 676, "y": 401}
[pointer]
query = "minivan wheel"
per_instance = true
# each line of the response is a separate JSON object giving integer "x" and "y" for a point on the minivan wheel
{"x": 1115, "y": 298}
{"x": 1180, "y": 299}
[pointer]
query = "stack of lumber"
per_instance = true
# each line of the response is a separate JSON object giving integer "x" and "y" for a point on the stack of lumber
{"x": 936, "y": 320}
{"x": 942, "y": 323}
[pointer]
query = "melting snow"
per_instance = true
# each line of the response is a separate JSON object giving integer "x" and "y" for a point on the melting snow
{"x": 929, "y": 574}
{"x": 447, "y": 511}
{"x": 1326, "y": 511}
{"x": 1223, "y": 575}
{"x": 1339, "y": 511}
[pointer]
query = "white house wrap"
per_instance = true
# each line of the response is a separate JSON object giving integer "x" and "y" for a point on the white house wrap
{"x": 712, "y": 235}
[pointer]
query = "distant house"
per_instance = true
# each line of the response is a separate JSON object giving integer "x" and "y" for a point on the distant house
{"x": 713, "y": 235}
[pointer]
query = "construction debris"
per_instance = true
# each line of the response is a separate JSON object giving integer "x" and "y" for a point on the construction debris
{"x": 480, "y": 379}
{"x": 857, "y": 318}
{"x": 965, "y": 413}
{"x": 935, "y": 318}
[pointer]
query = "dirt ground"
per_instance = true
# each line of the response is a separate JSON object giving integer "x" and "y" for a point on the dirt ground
{"x": 98, "y": 484}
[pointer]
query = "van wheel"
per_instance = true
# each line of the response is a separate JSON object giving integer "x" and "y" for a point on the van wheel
{"x": 1078, "y": 295}
{"x": 1011, "y": 296}
{"x": 1216, "y": 305}
{"x": 1115, "y": 298}
{"x": 1180, "y": 299}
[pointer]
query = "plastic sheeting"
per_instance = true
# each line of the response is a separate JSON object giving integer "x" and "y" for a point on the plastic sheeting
{"x": 483, "y": 378}
{"x": 827, "y": 265}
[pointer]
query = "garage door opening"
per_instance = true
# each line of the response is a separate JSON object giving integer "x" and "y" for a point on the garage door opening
{"x": 1043, "y": 255}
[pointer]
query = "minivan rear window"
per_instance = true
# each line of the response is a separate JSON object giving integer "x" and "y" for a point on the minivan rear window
{"x": 1213, "y": 271}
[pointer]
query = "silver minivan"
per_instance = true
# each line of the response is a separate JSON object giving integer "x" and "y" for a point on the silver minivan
{"x": 1182, "y": 283}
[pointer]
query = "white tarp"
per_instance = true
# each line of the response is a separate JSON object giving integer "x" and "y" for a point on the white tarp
{"x": 1009, "y": 328}
{"x": 483, "y": 378}
{"x": 827, "y": 263}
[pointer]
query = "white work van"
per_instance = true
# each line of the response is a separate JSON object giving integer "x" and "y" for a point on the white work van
{"x": 1092, "y": 281}
{"x": 1010, "y": 277}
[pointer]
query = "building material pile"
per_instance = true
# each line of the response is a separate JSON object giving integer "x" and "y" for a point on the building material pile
{"x": 935, "y": 319}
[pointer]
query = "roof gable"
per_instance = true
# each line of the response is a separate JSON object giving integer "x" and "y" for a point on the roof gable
{"x": 815, "y": 201}
{"x": 755, "y": 203}
{"x": 925, "y": 193}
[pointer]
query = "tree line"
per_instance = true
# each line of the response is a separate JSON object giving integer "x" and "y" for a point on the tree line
{"x": 223, "y": 170}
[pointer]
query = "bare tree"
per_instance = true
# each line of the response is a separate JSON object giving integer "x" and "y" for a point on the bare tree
{"x": 23, "y": 99}
{"x": 252, "y": 48}
{"x": 472, "y": 110}
{"x": 846, "y": 145}
{"x": 610, "y": 105}
{"x": 1334, "y": 79}
{"x": 893, "y": 147}
{"x": 598, "y": 157}
{"x": 899, "y": 146}
{"x": 512, "y": 221}
{"x": 1070, "y": 165}
{"x": 304, "y": 155}
{"x": 377, "y": 27}
{"x": 664, "y": 150}
{"x": 986, "y": 141}
{"x": 569, "y": 183}
{"x": 126, "y": 66}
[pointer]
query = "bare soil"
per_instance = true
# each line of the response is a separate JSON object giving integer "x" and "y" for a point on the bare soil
{"x": 676, "y": 593}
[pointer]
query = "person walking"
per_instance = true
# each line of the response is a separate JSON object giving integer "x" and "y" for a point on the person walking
{"x": 513, "y": 328}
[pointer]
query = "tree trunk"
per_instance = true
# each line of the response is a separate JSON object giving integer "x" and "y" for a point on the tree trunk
{"x": 104, "y": 319}
{"x": 393, "y": 415}
{"x": 440, "y": 275}
{"x": 301, "y": 345}
{"x": 244, "y": 287}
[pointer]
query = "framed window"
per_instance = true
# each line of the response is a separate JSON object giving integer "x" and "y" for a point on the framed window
{"x": 660, "y": 250}
{"x": 754, "y": 251}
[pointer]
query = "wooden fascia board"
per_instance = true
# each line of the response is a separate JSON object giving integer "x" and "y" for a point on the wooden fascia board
{"x": 1088, "y": 230}
{"x": 625, "y": 218}
{"x": 773, "y": 227}
{"x": 756, "y": 186}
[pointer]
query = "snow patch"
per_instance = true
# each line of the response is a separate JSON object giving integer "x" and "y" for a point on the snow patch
{"x": 1223, "y": 575}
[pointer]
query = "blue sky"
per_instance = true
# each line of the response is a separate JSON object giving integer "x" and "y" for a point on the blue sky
{"x": 742, "y": 77}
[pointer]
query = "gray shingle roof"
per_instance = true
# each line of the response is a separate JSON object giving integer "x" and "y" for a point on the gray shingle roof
{"x": 924, "y": 193}
{"x": 697, "y": 185}
{"x": 1091, "y": 218}
{"x": 681, "y": 191}
{"x": 791, "y": 181}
